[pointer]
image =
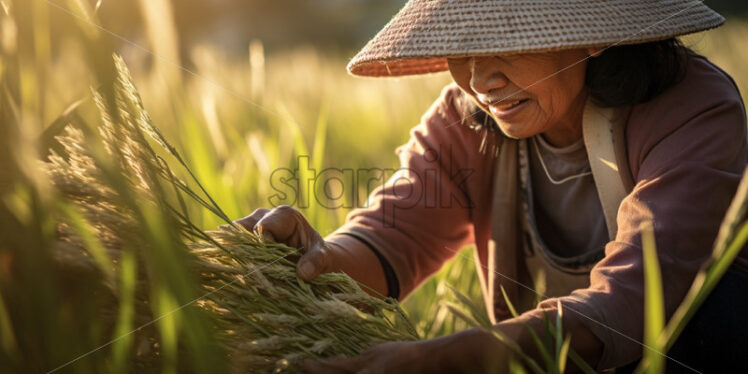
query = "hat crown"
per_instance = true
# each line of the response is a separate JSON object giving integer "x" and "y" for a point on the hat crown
{"x": 419, "y": 38}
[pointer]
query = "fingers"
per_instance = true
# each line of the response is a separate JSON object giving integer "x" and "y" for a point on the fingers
{"x": 287, "y": 225}
{"x": 282, "y": 224}
{"x": 314, "y": 262}
{"x": 250, "y": 221}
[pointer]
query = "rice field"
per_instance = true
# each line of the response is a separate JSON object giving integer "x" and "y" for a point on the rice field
{"x": 234, "y": 121}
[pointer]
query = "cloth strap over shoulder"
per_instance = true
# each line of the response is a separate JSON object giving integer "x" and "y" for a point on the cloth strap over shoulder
{"x": 602, "y": 129}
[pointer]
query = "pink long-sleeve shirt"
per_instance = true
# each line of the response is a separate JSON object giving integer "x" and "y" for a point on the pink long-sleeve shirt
{"x": 686, "y": 151}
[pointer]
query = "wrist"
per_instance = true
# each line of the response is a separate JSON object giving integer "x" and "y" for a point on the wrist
{"x": 351, "y": 256}
{"x": 583, "y": 341}
{"x": 479, "y": 351}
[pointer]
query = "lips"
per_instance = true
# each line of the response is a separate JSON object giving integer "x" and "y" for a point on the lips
{"x": 506, "y": 105}
{"x": 505, "y": 109}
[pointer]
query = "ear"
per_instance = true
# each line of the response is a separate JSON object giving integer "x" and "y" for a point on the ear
{"x": 595, "y": 51}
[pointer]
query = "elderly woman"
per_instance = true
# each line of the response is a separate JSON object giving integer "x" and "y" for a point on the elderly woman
{"x": 570, "y": 124}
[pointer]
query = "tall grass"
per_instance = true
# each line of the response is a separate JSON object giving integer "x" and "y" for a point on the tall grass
{"x": 112, "y": 259}
{"x": 169, "y": 294}
{"x": 236, "y": 120}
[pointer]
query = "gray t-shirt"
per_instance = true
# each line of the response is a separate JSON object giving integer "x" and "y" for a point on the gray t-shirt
{"x": 562, "y": 217}
{"x": 568, "y": 215}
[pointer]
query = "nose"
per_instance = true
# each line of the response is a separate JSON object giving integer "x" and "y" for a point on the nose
{"x": 485, "y": 75}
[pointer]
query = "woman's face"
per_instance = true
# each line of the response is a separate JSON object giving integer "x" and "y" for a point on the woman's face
{"x": 529, "y": 94}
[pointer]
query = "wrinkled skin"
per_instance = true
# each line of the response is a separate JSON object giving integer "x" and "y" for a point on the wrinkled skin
{"x": 552, "y": 84}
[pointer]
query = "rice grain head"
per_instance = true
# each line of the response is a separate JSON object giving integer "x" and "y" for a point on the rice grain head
{"x": 263, "y": 316}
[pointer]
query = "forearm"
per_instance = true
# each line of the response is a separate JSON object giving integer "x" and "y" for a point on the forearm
{"x": 354, "y": 258}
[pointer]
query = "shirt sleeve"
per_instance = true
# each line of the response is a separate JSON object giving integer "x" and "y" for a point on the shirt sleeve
{"x": 390, "y": 278}
{"x": 423, "y": 213}
{"x": 688, "y": 157}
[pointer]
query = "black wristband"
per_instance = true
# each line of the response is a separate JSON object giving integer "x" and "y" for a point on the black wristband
{"x": 393, "y": 285}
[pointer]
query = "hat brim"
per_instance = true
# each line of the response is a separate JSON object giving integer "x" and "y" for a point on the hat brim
{"x": 424, "y": 33}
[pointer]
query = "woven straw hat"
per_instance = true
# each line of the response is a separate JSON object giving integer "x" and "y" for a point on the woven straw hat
{"x": 420, "y": 37}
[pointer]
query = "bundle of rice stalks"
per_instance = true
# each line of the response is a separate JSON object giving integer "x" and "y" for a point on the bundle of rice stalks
{"x": 126, "y": 220}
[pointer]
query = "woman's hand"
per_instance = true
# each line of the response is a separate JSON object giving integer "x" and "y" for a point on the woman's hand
{"x": 341, "y": 253}
{"x": 287, "y": 225}
{"x": 470, "y": 351}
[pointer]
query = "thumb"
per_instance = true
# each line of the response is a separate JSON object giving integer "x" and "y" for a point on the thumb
{"x": 314, "y": 262}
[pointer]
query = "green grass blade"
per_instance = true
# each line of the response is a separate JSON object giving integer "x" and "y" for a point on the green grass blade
{"x": 577, "y": 359}
{"x": 540, "y": 286}
{"x": 319, "y": 218}
{"x": 563, "y": 354}
{"x": 516, "y": 367}
{"x": 7, "y": 336}
{"x": 476, "y": 310}
{"x": 305, "y": 173}
{"x": 731, "y": 239}
{"x": 122, "y": 347}
{"x": 508, "y": 303}
{"x": 320, "y": 138}
{"x": 90, "y": 240}
{"x": 549, "y": 342}
{"x": 735, "y": 216}
{"x": 654, "y": 308}
{"x": 133, "y": 104}
{"x": 542, "y": 350}
{"x": 459, "y": 313}
{"x": 558, "y": 334}
{"x": 703, "y": 285}
{"x": 580, "y": 362}
{"x": 168, "y": 312}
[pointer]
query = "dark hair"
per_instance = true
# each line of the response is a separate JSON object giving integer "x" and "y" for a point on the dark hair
{"x": 633, "y": 74}
{"x": 622, "y": 75}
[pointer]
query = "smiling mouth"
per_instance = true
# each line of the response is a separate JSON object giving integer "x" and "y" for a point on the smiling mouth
{"x": 508, "y": 105}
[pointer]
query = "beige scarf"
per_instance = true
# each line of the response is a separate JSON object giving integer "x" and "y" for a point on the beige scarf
{"x": 604, "y": 138}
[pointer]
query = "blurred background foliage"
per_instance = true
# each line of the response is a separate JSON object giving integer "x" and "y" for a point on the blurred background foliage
{"x": 241, "y": 88}
{"x": 337, "y": 24}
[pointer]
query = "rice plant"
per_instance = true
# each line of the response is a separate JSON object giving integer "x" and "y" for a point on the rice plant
{"x": 125, "y": 222}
